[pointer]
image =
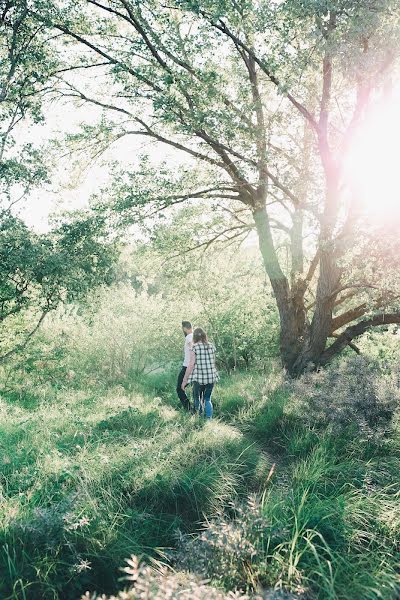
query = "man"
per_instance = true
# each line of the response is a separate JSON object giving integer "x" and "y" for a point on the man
{"x": 188, "y": 333}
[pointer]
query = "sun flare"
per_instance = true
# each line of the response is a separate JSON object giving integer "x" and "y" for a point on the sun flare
{"x": 373, "y": 162}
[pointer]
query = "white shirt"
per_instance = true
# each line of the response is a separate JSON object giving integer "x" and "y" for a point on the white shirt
{"x": 186, "y": 349}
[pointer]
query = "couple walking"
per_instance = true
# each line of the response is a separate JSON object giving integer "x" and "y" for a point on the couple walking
{"x": 198, "y": 368}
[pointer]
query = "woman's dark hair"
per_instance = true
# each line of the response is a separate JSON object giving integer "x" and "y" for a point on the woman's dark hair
{"x": 199, "y": 335}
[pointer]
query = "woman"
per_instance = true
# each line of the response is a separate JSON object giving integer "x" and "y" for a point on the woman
{"x": 201, "y": 371}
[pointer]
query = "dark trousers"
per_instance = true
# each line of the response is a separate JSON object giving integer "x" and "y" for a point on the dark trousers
{"x": 181, "y": 393}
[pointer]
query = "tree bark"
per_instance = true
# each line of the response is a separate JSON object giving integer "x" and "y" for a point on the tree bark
{"x": 291, "y": 309}
{"x": 349, "y": 334}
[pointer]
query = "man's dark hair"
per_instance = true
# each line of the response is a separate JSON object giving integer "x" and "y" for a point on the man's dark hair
{"x": 187, "y": 324}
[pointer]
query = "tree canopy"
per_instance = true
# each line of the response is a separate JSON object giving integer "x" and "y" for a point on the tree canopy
{"x": 37, "y": 271}
{"x": 263, "y": 99}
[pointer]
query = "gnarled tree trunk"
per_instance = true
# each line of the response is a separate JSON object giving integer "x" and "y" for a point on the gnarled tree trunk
{"x": 293, "y": 326}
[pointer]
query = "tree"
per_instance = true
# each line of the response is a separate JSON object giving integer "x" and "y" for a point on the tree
{"x": 26, "y": 62}
{"x": 37, "y": 272}
{"x": 266, "y": 96}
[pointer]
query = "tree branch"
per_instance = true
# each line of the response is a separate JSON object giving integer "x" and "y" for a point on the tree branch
{"x": 219, "y": 148}
{"x": 323, "y": 141}
{"x": 99, "y": 51}
{"x": 355, "y": 331}
{"x": 349, "y": 316}
{"x": 350, "y": 344}
{"x": 175, "y": 199}
{"x": 21, "y": 346}
{"x": 240, "y": 230}
{"x": 221, "y": 26}
{"x": 345, "y": 297}
{"x": 312, "y": 268}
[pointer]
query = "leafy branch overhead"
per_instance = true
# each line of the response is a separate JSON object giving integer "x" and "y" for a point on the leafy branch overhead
{"x": 266, "y": 97}
{"x": 37, "y": 271}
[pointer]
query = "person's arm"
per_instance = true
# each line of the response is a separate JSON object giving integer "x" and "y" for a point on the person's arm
{"x": 190, "y": 344}
{"x": 189, "y": 369}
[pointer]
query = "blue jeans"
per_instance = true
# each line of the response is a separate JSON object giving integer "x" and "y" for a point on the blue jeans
{"x": 202, "y": 397}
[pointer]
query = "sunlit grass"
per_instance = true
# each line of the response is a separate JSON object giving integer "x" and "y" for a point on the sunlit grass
{"x": 88, "y": 478}
{"x": 104, "y": 476}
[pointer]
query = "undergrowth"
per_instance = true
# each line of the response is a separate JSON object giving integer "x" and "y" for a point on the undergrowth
{"x": 264, "y": 501}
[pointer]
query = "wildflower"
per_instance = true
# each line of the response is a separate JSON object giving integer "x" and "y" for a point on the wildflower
{"x": 83, "y": 565}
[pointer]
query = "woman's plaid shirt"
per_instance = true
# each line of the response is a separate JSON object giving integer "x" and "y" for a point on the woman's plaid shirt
{"x": 204, "y": 369}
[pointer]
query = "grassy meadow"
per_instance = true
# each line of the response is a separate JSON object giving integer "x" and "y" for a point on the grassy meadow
{"x": 262, "y": 498}
{"x": 291, "y": 491}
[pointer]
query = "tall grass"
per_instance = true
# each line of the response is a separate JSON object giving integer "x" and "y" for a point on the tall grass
{"x": 91, "y": 477}
{"x": 87, "y": 480}
{"x": 325, "y": 529}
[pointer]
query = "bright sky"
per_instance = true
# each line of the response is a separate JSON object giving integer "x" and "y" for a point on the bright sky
{"x": 71, "y": 189}
{"x": 372, "y": 164}
{"x": 36, "y": 210}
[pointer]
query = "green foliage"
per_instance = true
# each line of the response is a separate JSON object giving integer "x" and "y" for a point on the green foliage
{"x": 357, "y": 394}
{"x": 206, "y": 79}
{"x": 25, "y": 171}
{"x": 90, "y": 477}
{"x": 83, "y": 489}
{"x": 38, "y": 272}
{"x": 27, "y": 60}
{"x": 225, "y": 288}
{"x": 126, "y": 334}
{"x": 238, "y": 310}
{"x": 321, "y": 530}
{"x": 134, "y": 326}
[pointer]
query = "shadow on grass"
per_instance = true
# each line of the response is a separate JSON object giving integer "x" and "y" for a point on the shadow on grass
{"x": 25, "y": 399}
{"x": 118, "y": 485}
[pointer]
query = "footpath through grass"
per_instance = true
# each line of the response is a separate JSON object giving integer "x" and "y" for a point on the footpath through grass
{"x": 88, "y": 478}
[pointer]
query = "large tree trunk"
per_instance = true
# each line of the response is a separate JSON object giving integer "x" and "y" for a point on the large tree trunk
{"x": 302, "y": 345}
{"x": 290, "y": 305}
{"x": 328, "y": 278}
{"x": 321, "y": 325}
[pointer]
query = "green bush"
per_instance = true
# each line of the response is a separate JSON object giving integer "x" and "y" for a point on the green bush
{"x": 215, "y": 289}
{"x": 126, "y": 334}
{"x": 132, "y": 329}
{"x": 356, "y": 393}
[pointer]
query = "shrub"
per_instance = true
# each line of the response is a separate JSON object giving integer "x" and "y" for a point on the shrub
{"x": 125, "y": 335}
{"x": 229, "y": 547}
{"x": 215, "y": 289}
{"x": 357, "y": 392}
{"x": 262, "y": 544}
{"x": 161, "y": 583}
